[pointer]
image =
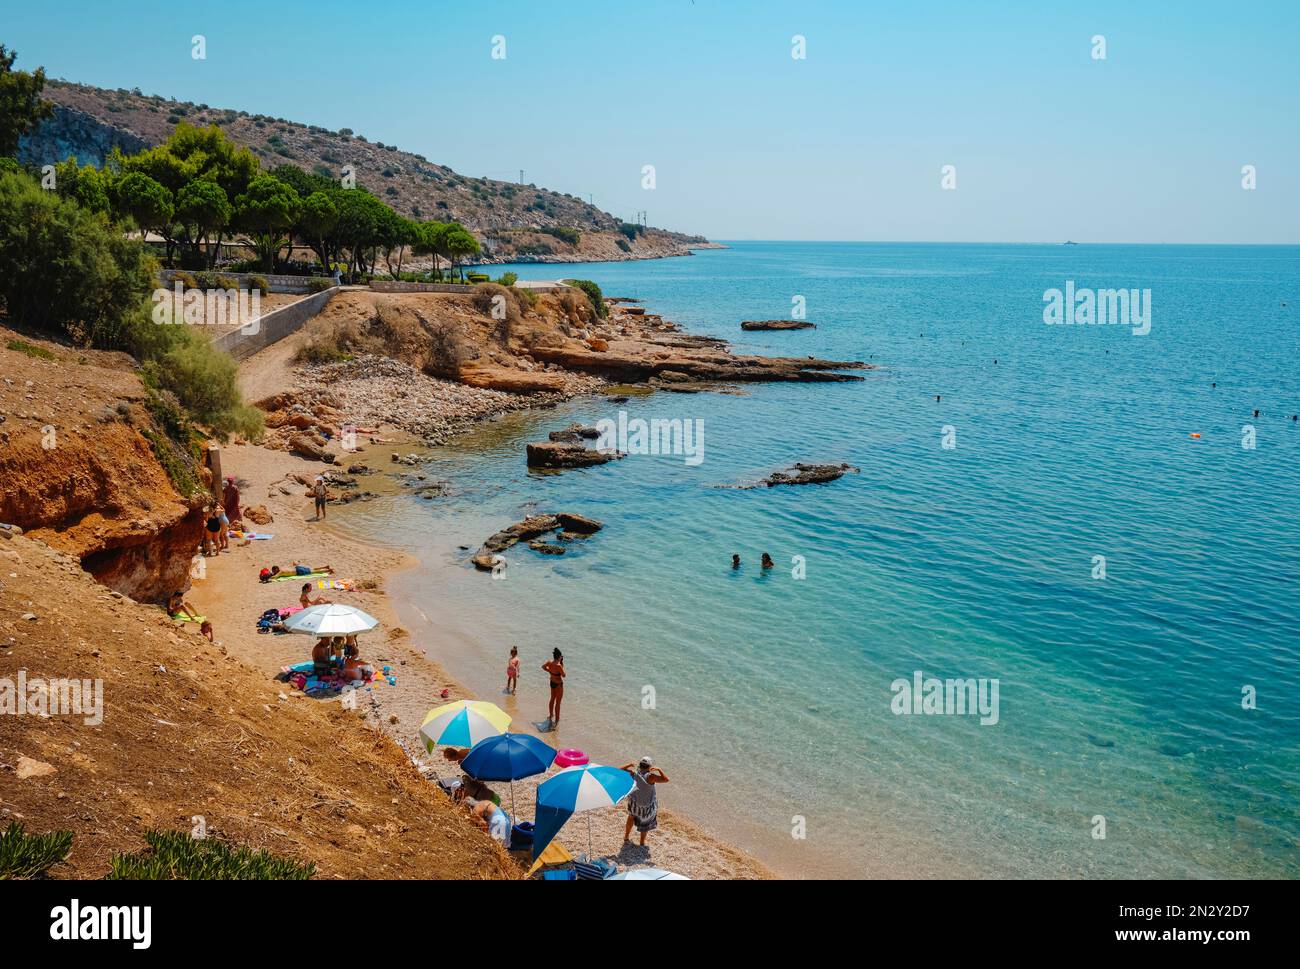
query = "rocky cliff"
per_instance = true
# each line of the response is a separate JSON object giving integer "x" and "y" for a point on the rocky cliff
{"x": 77, "y": 471}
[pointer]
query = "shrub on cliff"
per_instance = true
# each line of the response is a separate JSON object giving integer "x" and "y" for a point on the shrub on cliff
{"x": 175, "y": 855}
{"x": 182, "y": 360}
{"x": 594, "y": 294}
{"x": 24, "y": 855}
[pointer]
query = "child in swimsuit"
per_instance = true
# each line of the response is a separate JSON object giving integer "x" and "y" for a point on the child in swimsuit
{"x": 512, "y": 671}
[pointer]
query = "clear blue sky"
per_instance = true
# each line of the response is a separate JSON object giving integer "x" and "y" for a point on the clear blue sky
{"x": 748, "y": 143}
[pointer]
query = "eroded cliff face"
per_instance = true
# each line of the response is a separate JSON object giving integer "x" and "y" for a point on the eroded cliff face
{"x": 77, "y": 473}
{"x": 70, "y": 131}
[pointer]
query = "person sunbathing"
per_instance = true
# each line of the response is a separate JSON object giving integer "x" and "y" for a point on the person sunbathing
{"x": 455, "y": 754}
{"x": 495, "y": 820}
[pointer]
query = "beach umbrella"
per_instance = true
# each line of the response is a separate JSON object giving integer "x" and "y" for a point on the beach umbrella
{"x": 508, "y": 757}
{"x": 331, "y": 619}
{"x": 463, "y": 723}
{"x": 581, "y": 788}
{"x": 649, "y": 875}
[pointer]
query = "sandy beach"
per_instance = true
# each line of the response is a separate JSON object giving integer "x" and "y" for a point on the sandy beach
{"x": 230, "y": 595}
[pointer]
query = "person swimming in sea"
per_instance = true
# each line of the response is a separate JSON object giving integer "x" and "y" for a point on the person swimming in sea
{"x": 735, "y": 561}
{"x": 767, "y": 561}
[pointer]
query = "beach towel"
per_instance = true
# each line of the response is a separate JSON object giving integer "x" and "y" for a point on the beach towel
{"x": 290, "y": 576}
{"x": 337, "y": 585}
{"x": 595, "y": 869}
{"x": 251, "y": 536}
{"x": 188, "y": 619}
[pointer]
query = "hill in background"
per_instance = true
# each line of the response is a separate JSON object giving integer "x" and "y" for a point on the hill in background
{"x": 513, "y": 222}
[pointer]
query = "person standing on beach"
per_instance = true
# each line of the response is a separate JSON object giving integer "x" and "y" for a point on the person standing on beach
{"x": 512, "y": 671}
{"x": 230, "y": 500}
{"x": 643, "y": 804}
{"x": 318, "y": 491}
{"x": 555, "y": 668}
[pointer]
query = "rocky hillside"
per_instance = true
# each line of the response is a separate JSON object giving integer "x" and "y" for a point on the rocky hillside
{"x": 77, "y": 469}
{"x": 513, "y": 222}
{"x": 187, "y": 732}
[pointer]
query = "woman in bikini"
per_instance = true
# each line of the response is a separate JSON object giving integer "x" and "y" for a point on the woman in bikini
{"x": 555, "y": 668}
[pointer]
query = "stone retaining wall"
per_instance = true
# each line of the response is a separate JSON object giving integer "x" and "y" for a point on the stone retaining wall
{"x": 273, "y": 327}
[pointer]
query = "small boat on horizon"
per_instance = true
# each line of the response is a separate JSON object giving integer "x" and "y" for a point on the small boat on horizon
{"x": 1069, "y": 242}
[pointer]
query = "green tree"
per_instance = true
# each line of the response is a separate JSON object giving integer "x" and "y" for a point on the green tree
{"x": 395, "y": 234}
{"x": 138, "y": 197}
{"x": 190, "y": 156}
{"x": 459, "y": 244}
{"x": 317, "y": 223}
{"x": 357, "y": 232}
{"x": 203, "y": 212}
{"x": 267, "y": 211}
{"x": 429, "y": 242}
{"x": 66, "y": 270}
{"x": 21, "y": 107}
{"x": 86, "y": 185}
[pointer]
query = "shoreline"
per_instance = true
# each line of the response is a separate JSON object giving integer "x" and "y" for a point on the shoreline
{"x": 230, "y": 595}
{"x": 413, "y": 647}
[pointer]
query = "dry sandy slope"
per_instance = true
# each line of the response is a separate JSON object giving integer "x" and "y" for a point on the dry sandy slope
{"x": 188, "y": 730}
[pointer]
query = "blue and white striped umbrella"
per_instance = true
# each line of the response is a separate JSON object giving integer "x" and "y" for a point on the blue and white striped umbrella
{"x": 581, "y": 788}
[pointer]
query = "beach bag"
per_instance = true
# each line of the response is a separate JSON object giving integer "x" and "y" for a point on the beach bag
{"x": 521, "y": 836}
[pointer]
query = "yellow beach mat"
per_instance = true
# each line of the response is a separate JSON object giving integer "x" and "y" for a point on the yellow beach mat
{"x": 554, "y": 854}
{"x": 188, "y": 619}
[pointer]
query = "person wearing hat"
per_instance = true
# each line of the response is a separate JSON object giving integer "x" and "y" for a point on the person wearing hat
{"x": 318, "y": 490}
{"x": 643, "y": 803}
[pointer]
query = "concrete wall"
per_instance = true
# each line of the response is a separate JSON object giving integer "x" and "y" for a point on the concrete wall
{"x": 277, "y": 284}
{"x": 398, "y": 286}
{"x": 274, "y": 326}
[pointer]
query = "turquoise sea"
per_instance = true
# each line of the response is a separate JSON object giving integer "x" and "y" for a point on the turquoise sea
{"x": 1119, "y": 697}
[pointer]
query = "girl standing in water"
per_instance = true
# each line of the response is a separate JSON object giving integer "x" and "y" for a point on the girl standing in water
{"x": 512, "y": 671}
{"x": 555, "y": 668}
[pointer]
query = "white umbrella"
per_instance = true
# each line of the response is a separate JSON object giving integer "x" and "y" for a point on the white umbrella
{"x": 649, "y": 875}
{"x": 331, "y": 619}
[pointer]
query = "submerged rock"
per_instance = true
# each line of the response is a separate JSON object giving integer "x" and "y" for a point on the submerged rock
{"x": 800, "y": 474}
{"x": 533, "y": 527}
{"x": 808, "y": 474}
{"x": 556, "y": 454}
{"x": 574, "y": 434}
{"x": 777, "y": 325}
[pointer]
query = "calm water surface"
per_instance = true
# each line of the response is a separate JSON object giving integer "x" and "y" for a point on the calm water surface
{"x": 1119, "y": 697}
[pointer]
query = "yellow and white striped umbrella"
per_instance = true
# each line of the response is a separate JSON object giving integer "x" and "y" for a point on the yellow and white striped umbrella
{"x": 463, "y": 723}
